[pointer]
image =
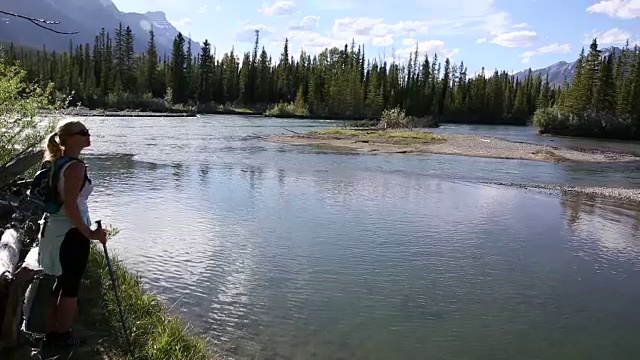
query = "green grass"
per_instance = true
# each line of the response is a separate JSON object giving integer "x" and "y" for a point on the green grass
{"x": 154, "y": 333}
{"x": 392, "y": 137}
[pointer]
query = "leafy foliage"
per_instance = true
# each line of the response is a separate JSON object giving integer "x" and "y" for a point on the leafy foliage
{"x": 20, "y": 102}
{"x": 394, "y": 119}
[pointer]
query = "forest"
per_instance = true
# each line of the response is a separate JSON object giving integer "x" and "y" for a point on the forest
{"x": 339, "y": 83}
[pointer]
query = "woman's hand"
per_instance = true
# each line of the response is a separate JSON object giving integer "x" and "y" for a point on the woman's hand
{"x": 100, "y": 235}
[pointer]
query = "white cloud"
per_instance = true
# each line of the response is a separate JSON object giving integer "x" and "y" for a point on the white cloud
{"x": 365, "y": 30}
{"x": 248, "y": 33}
{"x": 429, "y": 47}
{"x": 522, "y": 38}
{"x": 463, "y": 8}
{"x": 202, "y": 9}
{"x": 279, "y": 8}
{"x": 182, "y": 23}
{"x": 554, "y": 48}
{"x": 623, "y": 9}
{"x": 613, "y": 36}
{"x": 479, "y": 18}
{"x": 481, "y": 40}
{"x": 382, "y": 40}
{"x": 337, "y": 4}
{"x": 307, "y": 23}
{"x": 312, "y": 41}
{"x": 409, "y": 41}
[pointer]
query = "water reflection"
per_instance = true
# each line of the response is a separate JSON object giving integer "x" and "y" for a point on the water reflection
{"x": 595, "y": 225}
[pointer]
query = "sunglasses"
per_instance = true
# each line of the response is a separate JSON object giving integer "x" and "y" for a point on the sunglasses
{"x": 83, "y": 132}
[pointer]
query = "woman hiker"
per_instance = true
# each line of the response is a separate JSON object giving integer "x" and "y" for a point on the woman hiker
{"x": 65, "y": 237}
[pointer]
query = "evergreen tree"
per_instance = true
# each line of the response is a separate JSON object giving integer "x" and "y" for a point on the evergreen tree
{"x": 178, "y": 77}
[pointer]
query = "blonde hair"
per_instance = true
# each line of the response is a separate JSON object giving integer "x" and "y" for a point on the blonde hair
{"x": 56, "y": 141}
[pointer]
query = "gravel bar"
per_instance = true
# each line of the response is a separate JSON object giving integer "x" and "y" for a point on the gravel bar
{"x": 625, "y": 194}
{"x": 466, "y": 145}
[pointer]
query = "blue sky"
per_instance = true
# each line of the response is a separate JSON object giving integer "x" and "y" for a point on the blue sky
{"x": 504, "y": 34}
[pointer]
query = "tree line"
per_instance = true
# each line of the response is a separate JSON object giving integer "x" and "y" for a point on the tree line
{"x": 337, "y": 82}
{"x": 603, "y": 99}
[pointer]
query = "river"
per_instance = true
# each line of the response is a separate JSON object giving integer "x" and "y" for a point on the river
{"x": 293, "y": 252}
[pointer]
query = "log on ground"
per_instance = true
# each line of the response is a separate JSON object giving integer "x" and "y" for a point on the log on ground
{"x": 31, "y": 262}
{"x": 10, "y": 248}
{"x": 19, "y": 166}
{"x": 22, "y": 279}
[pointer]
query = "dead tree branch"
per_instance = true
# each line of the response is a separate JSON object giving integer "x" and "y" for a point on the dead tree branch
{"x": 39, "y": 22}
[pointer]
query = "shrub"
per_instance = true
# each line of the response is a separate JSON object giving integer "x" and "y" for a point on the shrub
{"x": 20, "y": 103}
{"x": 588, "y": 124}
{"x": 395, "y": 119}
{"x": 285, "y": 110}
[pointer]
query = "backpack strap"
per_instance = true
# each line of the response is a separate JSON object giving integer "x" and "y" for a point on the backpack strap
{"x": 60, "y": 164}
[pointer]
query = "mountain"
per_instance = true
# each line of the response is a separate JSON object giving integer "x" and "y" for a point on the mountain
{"x": 87, "y": 17}
{"x": 561, "y": 70}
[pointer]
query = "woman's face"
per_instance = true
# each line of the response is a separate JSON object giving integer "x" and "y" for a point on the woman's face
{"x": 80, "y": 138}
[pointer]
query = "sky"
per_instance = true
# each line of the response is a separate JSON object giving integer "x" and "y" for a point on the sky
{"x": 507, "y": 35}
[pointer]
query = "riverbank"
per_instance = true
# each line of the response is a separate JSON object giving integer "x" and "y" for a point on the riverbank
{"x": 449, "y": 144}
{"x": 155, "y": 334}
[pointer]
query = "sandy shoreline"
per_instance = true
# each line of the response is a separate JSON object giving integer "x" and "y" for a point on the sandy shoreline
{"x": 464, "y": 145}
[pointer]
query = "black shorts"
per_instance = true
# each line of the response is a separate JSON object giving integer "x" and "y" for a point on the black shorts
{"x": 74, "y": 255}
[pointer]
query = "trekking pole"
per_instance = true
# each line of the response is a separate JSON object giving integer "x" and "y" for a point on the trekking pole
{"x": 115, "y": 290}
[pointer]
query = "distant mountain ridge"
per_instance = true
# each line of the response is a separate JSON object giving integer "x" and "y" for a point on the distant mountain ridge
{"x": 87, "y": 17}
{"x": 562, "y": 70}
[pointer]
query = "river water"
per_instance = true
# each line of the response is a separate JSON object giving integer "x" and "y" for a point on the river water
{"x": 290, "y": 252}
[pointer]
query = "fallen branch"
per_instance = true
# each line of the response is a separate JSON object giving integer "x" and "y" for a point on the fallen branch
{"x": 295, "y": 132}
{"x": 39, "y": 22}
{"x": 19, "y": 166}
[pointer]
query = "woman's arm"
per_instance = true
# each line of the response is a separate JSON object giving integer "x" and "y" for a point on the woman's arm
{"x": 73, "y": 180}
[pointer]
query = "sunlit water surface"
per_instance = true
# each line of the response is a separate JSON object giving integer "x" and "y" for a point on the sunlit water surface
{"x": 289, "y": 252}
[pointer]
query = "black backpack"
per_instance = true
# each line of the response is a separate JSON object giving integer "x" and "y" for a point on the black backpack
{"x": 44, "y": 186}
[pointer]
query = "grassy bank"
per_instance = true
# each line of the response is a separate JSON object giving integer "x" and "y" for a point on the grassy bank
{"x": 391, "y": 137}
{"x": 155, "y": 334}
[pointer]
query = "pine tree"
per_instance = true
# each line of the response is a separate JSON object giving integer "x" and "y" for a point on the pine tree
{"x": 178, "y": 77}
{"x": 205, "y": 91}
{"x": 151, "y": 73}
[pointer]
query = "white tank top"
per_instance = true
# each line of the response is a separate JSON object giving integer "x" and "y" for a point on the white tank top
{"x": 83, "y": 196}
